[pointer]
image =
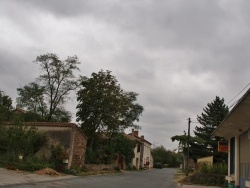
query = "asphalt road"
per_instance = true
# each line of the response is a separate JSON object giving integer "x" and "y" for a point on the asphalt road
{"x": 154, "y": 178}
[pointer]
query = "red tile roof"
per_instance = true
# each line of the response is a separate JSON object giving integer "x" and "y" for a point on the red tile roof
{"x": 49, "y": 124}
{"x": 46, "y": 124}
{"x": 140, "y": 139}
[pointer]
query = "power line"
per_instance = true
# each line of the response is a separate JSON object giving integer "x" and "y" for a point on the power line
{"x": 238, "y": 94}
{"x": 233, "y": 104}
{"x": 175, "y": 121}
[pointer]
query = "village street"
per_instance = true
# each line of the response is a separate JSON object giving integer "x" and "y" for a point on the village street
{"x": 160, "y": 178}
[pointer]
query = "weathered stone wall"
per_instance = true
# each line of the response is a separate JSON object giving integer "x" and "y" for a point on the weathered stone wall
{"x": 60, "y": 135}
{"x": 79, "y": 148}
{"x": 98, "y": 167}
{"x": 68, "y": 135}
{"x": 56, "y": 136}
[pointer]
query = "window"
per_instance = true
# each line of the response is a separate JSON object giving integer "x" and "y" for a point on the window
{"x": 138, "y": 148}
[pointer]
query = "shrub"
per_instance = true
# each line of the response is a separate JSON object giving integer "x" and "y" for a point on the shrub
{"x": 165, "y": 165}
{"x": 129, "y": 167}
{"x": 210, "y": 175}
{"x": 76, "y": 170}
{"x": 218, "y": 168}
{"x": 18, "y": 139}
{"x": 29, "y": 164}
{"x": 58, "y": 153}
{"x": 207, "y": 179}
{"x": 117, "y": 169}
{"x": 91, "y": 157}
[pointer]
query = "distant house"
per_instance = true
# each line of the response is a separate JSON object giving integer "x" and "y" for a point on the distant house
{"x": 67, "y": 135}
{"x": 19, "y": 110}
{"x": 143, "y": 157}
{"x": 236, "y": 129}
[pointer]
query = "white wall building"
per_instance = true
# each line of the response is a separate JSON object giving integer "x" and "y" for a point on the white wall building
{"x": 143, "y": 158}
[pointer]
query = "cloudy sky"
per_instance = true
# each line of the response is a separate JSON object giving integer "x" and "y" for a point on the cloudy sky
{"x": 178, "y": 55}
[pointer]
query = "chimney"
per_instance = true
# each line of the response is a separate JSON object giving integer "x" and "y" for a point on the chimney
{"x": 134, "y": 133}
{"x": 142, "y": 136}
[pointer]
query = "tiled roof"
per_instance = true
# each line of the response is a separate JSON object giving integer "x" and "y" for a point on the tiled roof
{"x": 46, "y": 124}
{"x": 49, "y": 124}
{"x": 19, "y": 110}
{"x": 131, "y": 137}
{"x": 140, "y": 139}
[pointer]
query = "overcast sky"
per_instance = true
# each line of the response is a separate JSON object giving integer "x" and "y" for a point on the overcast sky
{"x": 177, "y": 55}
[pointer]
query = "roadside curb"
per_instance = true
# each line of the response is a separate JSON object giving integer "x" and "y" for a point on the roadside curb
{"x": 179, "y": 185}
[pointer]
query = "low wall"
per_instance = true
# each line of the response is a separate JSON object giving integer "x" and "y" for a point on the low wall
{"x": 97, "y": 167}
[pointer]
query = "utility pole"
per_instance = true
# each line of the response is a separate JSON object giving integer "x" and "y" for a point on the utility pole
{"x": 188, "y": 139}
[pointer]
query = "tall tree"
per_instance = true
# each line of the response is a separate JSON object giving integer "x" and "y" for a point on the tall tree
{"x": 48, "y": 96}
{"x": 210, "y": 118}
{"x": 5, "y": 107}
{"x": 104, "y": 106}
{"x": 58, "y": 79}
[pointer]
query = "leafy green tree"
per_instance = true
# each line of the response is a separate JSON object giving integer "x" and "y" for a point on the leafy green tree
{"x": 48, "y": 96}
{"x": 31, "y": 96}
{"x": 123, "y": 146}
{"x": 212, "y": 115}
{"x": 193, "y": 141}
{"x": 104, "y": 107}
{"x": 104, "y": 152}
{"x": 160, "y": 154}
{"x": 5, "y": 107}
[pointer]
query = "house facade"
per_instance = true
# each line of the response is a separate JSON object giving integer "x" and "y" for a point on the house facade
{"x": 143, "y": 158}
{"x": 235, "y": 128}
{"x": 67, "y": 135}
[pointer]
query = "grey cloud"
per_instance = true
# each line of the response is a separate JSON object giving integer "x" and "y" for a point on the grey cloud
{"x": 178, "y": 55}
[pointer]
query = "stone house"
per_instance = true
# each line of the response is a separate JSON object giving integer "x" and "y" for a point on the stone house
{"x": 235, "y": 128}
{"x": 67, "y": 135}
{"x": 143, "y": 158}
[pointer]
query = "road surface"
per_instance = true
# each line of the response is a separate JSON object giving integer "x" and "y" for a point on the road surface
{"x": 153, "y": 178}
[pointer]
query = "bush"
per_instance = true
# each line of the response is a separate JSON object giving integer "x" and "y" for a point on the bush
{"x": 117, "y": 169}
{"x": 31, "y": 166}
{"x": 165, "y": 165}
{"x": 90, "y": 156}
{"x": 129, "y": 168}
{"x": 210, "y": 175}
{"x": 18, "y": 139}
{"x": 58, "y": 153}
{"x": 28, "y": 164}
{"x": 71, "y": 171}
{"x": 219, "y": 168}
{"x": 207, "y": 179}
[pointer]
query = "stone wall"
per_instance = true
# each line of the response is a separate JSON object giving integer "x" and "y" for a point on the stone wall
{"x": 98, "y": 167}
{"x": 56, "y": 136}
{"x": 79, "y": 147}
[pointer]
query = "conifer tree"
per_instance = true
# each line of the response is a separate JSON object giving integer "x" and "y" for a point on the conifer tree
{"x": 212, "y": 115}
